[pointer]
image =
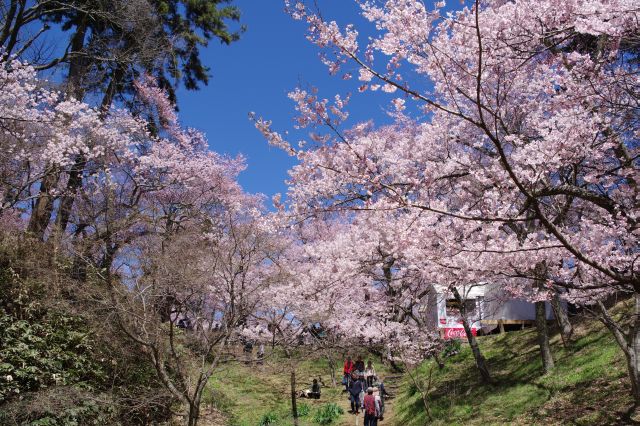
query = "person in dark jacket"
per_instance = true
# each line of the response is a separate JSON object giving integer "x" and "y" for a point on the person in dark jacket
{"x": 359, "y": 364}
{"x": 315, "y": 389}
{"x": 354, "y": 395}
{"x": 314, "y": 392}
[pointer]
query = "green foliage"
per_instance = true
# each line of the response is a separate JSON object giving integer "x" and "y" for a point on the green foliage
{"x": 269, "y": 418}
{"x": 303, "y": 410}
{"x": 328, "y": 413}
{"x": 58, "y": 367}
{"x": 451, "y": 348}
{"x": 56, "y": 351}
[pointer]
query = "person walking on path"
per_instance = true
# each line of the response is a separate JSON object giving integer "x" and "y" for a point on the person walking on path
{"x": 346, "y": 371}
{"x": 370, "y": 373}
{"x": 371, "y": 409}
{"x": 354, "y": 395}
{"x": 359, "y": 364}
{"x": 379, "y": 404}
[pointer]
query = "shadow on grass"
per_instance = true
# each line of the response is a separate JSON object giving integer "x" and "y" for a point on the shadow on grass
{"x": 588, "y": 373}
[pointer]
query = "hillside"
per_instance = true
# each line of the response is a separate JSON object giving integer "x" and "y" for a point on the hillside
{"x": 587, "y": 387}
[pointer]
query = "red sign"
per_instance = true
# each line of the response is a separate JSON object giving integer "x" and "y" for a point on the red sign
{"x": 457, "y": 333}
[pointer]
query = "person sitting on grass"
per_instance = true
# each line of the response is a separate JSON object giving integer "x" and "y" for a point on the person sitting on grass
{"x": 313, "y": 393}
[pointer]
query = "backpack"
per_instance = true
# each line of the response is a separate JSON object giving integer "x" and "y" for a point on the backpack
{"x": 370, "y": 405}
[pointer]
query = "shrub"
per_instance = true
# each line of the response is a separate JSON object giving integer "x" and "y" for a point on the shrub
{"x": 62, "y": 360}
{"x": 36, "y": 355}
{"x": 451, "y": 348}
{"x": 303, "y": 410}
{"x": 60, "y": 406}
{"x": 328, "y": 413}
{"x": 268, "y": 419}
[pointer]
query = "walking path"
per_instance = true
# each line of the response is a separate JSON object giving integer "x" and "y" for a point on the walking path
{"x": 392, "y": 384}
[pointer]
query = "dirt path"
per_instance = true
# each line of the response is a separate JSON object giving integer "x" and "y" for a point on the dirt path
{"x": 392, "y": 384}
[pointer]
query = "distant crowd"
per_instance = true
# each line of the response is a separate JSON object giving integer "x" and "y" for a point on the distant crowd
{"x": 366, "y": 390}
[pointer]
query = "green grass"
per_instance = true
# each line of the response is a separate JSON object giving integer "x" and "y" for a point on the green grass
{"x": 588, "y": 385}
{"x": 251, "y": 395}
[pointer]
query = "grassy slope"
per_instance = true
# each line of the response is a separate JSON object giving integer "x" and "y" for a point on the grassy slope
{"x": 588, "y": 385}
{"x": 247, "y": 393}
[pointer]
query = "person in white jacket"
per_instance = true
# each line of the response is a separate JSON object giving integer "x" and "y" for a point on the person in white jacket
{"x": 370, "y": 373}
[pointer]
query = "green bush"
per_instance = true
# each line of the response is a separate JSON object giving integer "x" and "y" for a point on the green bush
{"x": 62, "y": 361}
{"x": 328, "y": 413}
{"x": 451, "y": 348}
{"x": 303, "y": 410}
{"x": 36, "y": 355}
{"x": 268, "y": 419}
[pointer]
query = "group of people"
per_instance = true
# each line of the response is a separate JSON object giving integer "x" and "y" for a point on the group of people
{"x": 366, "y": 390}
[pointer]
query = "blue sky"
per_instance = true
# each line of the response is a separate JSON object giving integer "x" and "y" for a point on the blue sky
{"x": 255, "y": 74}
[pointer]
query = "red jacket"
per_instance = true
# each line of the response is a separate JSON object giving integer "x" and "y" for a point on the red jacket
{"x": 348, "y": 367}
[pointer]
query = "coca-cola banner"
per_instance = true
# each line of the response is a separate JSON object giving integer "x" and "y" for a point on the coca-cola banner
{"x": 457, "y": 333}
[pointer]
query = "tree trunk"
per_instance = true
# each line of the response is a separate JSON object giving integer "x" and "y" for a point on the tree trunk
{"x": 543, "y": 337}
{"x": 566, "y": 329}
{"x": 194, "y": 413}
{"x": 440, "y": 363}
{"x": 633, "y": 367}
{"x": 294, "y": 402}
{"x": 74, "y": 182}
{"x": 633, "y": 360}
{"x": 73, "y": 185}
{"x": 481, "y": 362}
{"x": 629, "y": 343}
{"x": 41, "y": 213}
{"x": 332, "y": 370}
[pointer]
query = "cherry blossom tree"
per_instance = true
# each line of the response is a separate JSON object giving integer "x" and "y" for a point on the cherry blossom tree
{"x": 520, "y": 157}
{"x": 192, "y": 293}
{"x": 159, "y": 221}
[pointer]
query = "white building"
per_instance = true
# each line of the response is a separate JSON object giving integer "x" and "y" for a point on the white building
{"x": 487, "y": 307}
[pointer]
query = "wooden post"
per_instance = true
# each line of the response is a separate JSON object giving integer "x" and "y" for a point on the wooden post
{"x": 294, "y": 404}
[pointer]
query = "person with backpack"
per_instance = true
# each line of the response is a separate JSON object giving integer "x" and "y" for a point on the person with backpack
{"x": 371, "y": 409}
